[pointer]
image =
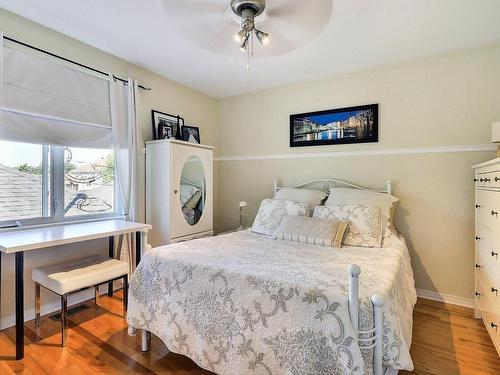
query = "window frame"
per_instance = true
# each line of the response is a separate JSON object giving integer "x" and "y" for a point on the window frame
{"x": 53, "y": 196}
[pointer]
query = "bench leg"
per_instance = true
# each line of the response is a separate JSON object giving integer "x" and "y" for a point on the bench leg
{"x": 125, "y": 294}
{"x": 97, "y": 295}
{"x": 64, "y": 319}
{"x": 37, "y": 305}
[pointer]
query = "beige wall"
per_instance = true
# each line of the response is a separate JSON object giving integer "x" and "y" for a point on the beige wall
{"x": 166, "y": 95}
{"x": 447, "y": 100}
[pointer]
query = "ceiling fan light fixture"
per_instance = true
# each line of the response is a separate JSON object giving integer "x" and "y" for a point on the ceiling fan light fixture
{"x": 248, "y": 10}
{"x": 262, "y": 37}
{"x": 244, "y": 45}
{"x": 240, "y": 35}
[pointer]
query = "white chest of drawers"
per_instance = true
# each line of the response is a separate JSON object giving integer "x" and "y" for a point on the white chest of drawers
{"x": 487, "y": 267}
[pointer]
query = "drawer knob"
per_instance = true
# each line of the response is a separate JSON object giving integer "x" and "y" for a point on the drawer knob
{"x": 481, "y": 180}
{"x": 494, "y": 213}
{"x": 497, "y": 179}
{"x": 477, "y": 294}
{"x": 487, "y": 180}
{"x": 478, "y": 266}
{"x": 494, "y": 290}
{"x": 478, "y": 205}
{"x": 493, "y": 254}
{"x": 494, "y": 326}
{"x": 476, "y": 180}
{"x": 477, "y": 238}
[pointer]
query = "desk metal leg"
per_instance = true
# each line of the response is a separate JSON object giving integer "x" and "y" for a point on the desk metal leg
{"x": 19, "y": 305}
{"x": 111, "y": 250}
{"x": 138, "y": 247}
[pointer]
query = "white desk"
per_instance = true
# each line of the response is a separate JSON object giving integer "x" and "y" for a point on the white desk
{"x": 19, "y": 241}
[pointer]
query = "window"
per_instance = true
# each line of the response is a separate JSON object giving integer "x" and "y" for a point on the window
{"x": 40, "y": 183}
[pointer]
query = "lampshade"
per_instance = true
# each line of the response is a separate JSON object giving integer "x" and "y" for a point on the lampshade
{"x": 243, "y": 204}
{"x": 495, "y": 132}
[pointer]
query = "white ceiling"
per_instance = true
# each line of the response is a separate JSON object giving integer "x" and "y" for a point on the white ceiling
{"x": 358, "y": 35}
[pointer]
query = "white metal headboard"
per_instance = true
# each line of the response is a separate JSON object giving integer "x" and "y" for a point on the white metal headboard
{"x": 327, "y": 183}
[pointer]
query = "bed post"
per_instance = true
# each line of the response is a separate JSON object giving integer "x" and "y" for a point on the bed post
{"x": 388, "y": 184}
{"x": 275, "y": 185}
{"x": 378, "y": 353}
{"x": 354, "y": 272}
{"x": 144, "y": 340}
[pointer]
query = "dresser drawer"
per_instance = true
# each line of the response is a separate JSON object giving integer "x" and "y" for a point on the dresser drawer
{"x": 488, "y": 209}
{"x": 489, "y": 298}
{"x": 488, "y": 256}
{"x": 488, "y": 179}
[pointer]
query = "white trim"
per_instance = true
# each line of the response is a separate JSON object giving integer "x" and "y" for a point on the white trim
{"x": 446, "y": 298}
{"x": 386, "y": 151}
{"x": 86, "y": 295}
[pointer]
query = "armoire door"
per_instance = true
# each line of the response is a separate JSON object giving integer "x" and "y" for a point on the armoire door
{"x": 191, "y": 176}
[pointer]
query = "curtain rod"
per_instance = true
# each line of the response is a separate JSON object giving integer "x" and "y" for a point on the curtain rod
{"x": 70, "y": 61}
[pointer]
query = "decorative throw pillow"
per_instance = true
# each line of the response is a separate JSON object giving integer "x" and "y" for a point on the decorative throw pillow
{"x": 365, "y": 223}
{"x": 311, "y": 196}
{"x": 272, "y": 212}
{"x": 349, "y": 196}
{"x": 311, "y": 230}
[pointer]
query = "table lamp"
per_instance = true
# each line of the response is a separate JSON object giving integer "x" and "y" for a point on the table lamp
{"x": 243, "y": 204}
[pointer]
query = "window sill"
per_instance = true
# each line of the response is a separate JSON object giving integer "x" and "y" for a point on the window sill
{"x": 63, "y": 222}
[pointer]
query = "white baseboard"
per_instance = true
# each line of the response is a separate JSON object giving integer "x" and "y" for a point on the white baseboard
{"x": 86, "y": 295}
{"x": 446, "y": 298}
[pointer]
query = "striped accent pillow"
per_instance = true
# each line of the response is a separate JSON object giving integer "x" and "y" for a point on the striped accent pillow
{"x": 311, "y": 230}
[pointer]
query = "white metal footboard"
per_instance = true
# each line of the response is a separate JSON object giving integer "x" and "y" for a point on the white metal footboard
{"x": 372, "y": 338}
{"x": 367, "y": 339}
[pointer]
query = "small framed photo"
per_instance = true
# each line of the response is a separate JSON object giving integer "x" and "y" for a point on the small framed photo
{"x": 191, "y": 134}
{"x": 165, "y": 119}
{"x": 165, "y": 131}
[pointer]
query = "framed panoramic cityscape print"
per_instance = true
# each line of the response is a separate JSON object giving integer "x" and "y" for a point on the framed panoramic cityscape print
{"x": 335, "y": 126}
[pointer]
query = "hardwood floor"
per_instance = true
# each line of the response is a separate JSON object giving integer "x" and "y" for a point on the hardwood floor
{"x": 446, "y": 340}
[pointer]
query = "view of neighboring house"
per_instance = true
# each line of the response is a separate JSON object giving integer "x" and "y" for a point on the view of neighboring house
{"x": 85, "y": 193}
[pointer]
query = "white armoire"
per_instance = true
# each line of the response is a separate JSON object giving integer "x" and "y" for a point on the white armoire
{"x": 179, "y": 191}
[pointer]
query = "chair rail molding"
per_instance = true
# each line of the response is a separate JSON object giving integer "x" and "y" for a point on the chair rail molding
{"x": 345, "y": 153}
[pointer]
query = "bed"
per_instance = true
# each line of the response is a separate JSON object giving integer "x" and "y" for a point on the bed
{"x": 244, "y": 303}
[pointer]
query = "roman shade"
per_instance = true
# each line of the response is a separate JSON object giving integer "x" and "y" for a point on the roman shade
{"x": 46, "y": 101}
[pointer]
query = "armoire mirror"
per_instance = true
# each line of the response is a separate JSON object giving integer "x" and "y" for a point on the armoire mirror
{"x": 192, "y": 190}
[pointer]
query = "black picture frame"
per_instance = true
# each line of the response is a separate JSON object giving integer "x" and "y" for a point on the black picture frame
{"x": 191, "y": 130}
{"x": 357, "y": 124}
{"x": 165, "y": 131}
{"x": 165, "y": 119}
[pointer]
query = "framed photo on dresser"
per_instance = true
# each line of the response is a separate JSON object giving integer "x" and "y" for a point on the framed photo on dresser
{"x": 191, "y": 134}
{"x": 164, "y": 120}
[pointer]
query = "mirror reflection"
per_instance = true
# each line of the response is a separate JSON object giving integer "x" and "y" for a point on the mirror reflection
{"x": 192, "y": 190}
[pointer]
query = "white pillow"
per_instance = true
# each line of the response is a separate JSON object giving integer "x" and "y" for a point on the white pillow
{"x": 187, "y": 192}
{"x": 348, "y": 196}
{"x": 365, "y": 223}
{"x": 311, "y": 230}
{"x": 272, "y": 212}
{"x": 311, "y": 196}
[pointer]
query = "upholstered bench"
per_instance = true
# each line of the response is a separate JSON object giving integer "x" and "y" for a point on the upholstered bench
{"x": 65, "y": 279}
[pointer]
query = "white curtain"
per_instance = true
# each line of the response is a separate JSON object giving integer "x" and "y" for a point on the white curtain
{"x": 127, "y": 141}
{"x": 46, "y": 101}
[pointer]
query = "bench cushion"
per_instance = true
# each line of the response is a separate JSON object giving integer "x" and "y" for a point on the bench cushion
{"x": 81, "y": 273}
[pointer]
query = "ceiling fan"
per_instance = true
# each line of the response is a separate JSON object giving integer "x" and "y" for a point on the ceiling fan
{"x": 248, "y": 10}
{"x": 214, "y": 24}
